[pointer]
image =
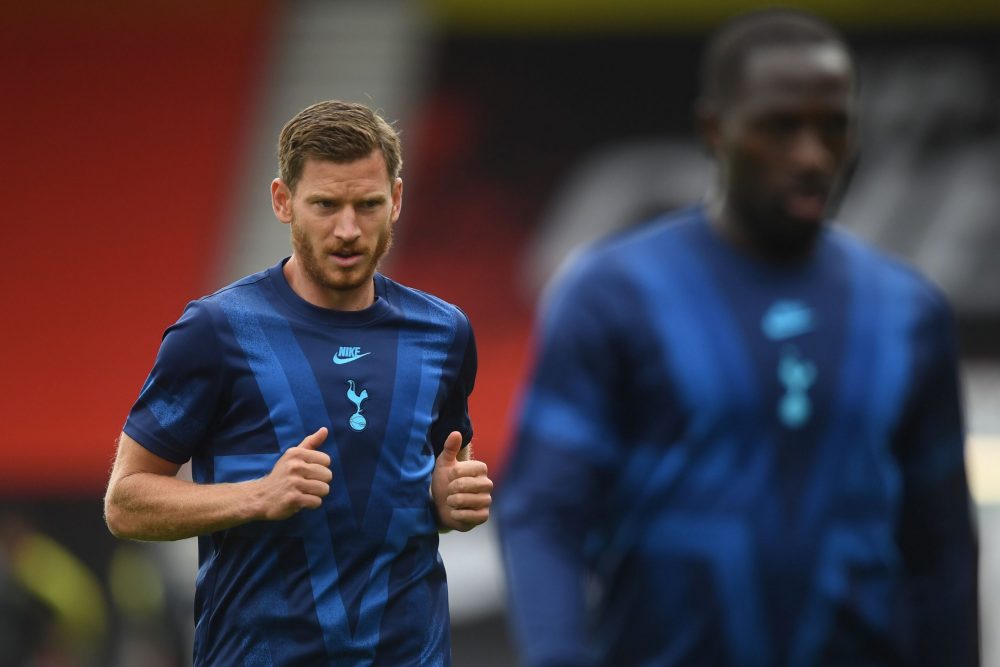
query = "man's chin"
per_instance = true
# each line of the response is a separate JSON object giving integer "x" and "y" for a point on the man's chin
{"x": 796, "y": 237}
{"x": 805, "y": 209}
{"x": 805, "y": 227}
{"x": 349, "y": 283}
{"x": 784, "y": 236}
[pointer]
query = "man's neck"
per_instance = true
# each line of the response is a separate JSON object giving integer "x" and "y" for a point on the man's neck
{"x": 732, "y": 227}
{"x": 322, "y": 296}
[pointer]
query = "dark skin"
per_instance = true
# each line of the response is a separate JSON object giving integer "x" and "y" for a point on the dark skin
{"x": 781, "y": 141}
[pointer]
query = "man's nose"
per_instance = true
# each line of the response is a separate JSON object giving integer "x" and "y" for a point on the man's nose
{"x": 347, "y": 228}
{"x": 810, "y": 152}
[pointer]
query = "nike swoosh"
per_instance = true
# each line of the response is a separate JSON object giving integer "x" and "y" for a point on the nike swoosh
{"x": 347, "y": 360}
{"x": 786, "y": 320}
{"x": 783, "y": 330}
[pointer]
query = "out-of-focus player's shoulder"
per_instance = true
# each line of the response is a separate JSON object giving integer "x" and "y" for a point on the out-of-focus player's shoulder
{"x": 613, "y": 263}
{"x": 900, "y": 277}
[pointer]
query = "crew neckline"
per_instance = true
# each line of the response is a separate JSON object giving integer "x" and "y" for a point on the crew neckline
{"x": 758, "y": 265}
{"x": 351, "y": 318}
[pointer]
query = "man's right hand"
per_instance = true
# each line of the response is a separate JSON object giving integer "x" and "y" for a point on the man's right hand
{"x": 299, "y": 480}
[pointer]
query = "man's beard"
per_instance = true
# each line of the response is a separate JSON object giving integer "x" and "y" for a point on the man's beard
{"x": 318, "y": 268}
{"x": 781, "y": 238}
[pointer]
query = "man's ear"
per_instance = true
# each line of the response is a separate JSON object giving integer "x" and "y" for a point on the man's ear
{"x": 397, "y": 199}
{"x": 281, "y": 200}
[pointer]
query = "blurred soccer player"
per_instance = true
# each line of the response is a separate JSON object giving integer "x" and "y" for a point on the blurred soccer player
{"x": 319, "y": 402}
{"x": 743, "y": 443}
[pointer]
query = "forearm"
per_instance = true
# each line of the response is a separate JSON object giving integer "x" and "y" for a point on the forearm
{"x": 543, "y": 513}
{"x": 941, "y": 554}
{"x": 146, "y": 501}
{"x": 545, "y": 595}
{"x": 149, "y": 506}
{"x": 944, "y": 605}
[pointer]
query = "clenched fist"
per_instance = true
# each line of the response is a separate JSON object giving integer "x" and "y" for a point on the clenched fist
{"x": 299, "y": 480}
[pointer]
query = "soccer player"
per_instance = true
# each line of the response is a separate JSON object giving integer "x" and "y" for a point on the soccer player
{"x": 324, "y": 409}
{"x": 742, "y": 443}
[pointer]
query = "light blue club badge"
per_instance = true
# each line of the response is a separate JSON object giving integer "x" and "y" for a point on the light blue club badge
{"x": 357, "y": 420}
{"x": 797, "y": 375}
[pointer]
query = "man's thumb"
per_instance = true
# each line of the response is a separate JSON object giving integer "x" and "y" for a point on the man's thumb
{"x": 449, "y": 453}
{"x": 316, "y": 439}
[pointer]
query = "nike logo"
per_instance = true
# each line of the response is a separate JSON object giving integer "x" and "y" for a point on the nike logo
{"x": 787, "y": 319}
{"x": 346, "y": 355}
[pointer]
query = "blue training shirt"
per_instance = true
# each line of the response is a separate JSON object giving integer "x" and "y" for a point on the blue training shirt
{"x": 724, "y": 462}
{"x": 252, "y": 370}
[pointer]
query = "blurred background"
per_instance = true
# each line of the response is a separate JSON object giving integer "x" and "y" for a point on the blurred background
{"x": 138, "y": 146}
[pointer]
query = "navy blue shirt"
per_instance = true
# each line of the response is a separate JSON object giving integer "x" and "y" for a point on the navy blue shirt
{"x": 250, "y": 371}
{"x": 724, "y": 462}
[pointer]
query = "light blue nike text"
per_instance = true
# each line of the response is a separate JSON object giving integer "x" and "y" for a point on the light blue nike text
{"x": 348, "y": 354}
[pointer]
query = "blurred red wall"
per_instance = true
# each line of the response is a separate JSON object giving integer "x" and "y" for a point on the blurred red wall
{"x": 123, "y": 124}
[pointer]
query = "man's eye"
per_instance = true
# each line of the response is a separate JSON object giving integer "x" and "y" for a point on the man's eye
{"x": 779, "y": 125}
{"x": 835, "y": 126}
{"x": 370, "y": 204}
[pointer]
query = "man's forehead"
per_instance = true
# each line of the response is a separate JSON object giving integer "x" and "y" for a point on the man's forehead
{"x": 795, "y": 68}
{"x": 373, "y": 160}
{"x": 370, "y": 168}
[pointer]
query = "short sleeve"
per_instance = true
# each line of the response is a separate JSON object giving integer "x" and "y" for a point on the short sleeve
{"x": 178, "y": 401}
{"x": 454, "y": 412}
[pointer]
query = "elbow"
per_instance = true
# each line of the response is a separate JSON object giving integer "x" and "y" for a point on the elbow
{"x": 117, "y": 519}
{"x": 114, "y": 521}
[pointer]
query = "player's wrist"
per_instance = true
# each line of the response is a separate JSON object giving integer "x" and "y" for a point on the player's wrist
{"x": 253, "y": 506}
